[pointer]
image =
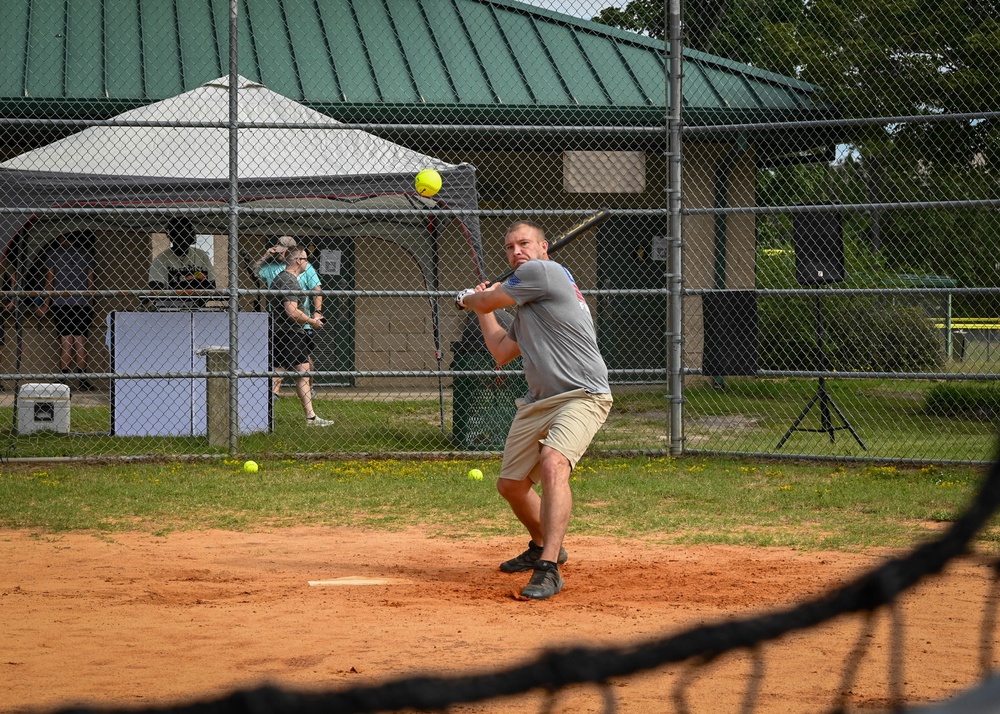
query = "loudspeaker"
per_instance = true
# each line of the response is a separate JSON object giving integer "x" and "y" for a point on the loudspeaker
{"x": 819, "y": 248}
{"x": 732, "y": 333}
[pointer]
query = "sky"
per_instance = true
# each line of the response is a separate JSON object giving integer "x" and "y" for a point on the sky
{"x": 580, "y": 8}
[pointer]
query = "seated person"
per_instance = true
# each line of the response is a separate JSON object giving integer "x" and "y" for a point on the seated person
{"x": 181, "y": 266}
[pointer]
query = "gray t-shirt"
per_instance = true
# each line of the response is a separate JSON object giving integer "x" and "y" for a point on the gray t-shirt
{"x": 71, "y": 264}
{"x": 293, "y": 293}
{"x": 555, "y": 331}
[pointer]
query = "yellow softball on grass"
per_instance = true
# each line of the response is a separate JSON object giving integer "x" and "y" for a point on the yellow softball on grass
{"x": 427, "y": 183}
{"x": 475, "y": 475}
{"x": 250, "y": 467}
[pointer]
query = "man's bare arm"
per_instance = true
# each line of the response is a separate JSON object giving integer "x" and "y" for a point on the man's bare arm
{"x": 293, "y": 311}
{"x": 488, "y": 298}
{"x": 272, "y": 253}
{"x": 483, "y": 302}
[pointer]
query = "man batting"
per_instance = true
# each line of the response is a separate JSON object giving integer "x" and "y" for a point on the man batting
{"x": 568, "y": 395}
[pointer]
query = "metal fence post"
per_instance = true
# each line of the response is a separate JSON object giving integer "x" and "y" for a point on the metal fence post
{"x": 234, "y": 227}
{"x": 676, "y": 268}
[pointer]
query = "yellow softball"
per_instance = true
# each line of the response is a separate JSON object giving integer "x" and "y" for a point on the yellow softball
{"x": 428, "y": 182}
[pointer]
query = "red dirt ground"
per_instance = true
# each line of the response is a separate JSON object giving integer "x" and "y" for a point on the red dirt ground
{"x": 135, "y": 620}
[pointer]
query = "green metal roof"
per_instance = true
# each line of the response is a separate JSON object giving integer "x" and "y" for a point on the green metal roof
{"x": 433, "y": 61}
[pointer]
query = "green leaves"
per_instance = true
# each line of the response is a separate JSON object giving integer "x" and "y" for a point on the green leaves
{"x": 873, "y": 57}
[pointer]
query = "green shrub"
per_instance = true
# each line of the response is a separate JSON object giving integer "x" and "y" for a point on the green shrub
{"x": 862, "y": 334}
{"x": 876, "y": 334}
{"x": 977, "y": 402}
{"x": 787, "y": 334}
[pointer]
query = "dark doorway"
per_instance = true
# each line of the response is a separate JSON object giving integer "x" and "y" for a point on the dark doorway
{"x": 334, "y": 348}
{"x": 631, "y": 254}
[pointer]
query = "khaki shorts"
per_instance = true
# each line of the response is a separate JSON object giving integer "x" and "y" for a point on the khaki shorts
{"x": 565, "y": 422}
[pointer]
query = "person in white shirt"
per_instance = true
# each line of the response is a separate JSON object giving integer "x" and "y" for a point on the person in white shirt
{"x": 181, "y": 266}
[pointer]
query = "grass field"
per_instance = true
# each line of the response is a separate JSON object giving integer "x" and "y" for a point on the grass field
{"x": 686, "y": 500}
{"x": 747, "y": 416}
{"x": 889, "y": 416}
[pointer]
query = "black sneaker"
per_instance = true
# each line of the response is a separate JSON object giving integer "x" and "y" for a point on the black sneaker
{"x": 545, "y": 581}
{"x": 526, "y": 560}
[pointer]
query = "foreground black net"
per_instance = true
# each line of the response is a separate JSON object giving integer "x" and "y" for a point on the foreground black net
{"x": 556, "y": 670}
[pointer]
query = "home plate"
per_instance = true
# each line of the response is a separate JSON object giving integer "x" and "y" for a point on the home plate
{"x": 358, "y": 580}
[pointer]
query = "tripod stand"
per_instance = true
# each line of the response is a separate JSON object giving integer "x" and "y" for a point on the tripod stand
{"x": 822, "y": 397}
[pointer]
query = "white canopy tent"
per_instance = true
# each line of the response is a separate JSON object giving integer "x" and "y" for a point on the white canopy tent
{"x": 161, "y": 165}
{"x": 188, "y": 166}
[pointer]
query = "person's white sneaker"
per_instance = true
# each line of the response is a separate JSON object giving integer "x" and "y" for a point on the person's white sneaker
{"x": 319, "y": 421}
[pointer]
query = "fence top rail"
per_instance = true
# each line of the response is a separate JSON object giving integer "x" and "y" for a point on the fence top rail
{"x": 833, "y": 291}
{"x": 223, "y": 209}
{"x": 357, "y": 126}
{"x": 858, "y": 121}
{"x": 810, "y": 374}
{"x": 220, "y": 294}
{"x": 511, "y": 128}
{"x": 842, "y": 207}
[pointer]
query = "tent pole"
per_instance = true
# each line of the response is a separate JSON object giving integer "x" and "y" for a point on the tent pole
{"x": 18, "y": 350}
{"x": 436, "y": 318}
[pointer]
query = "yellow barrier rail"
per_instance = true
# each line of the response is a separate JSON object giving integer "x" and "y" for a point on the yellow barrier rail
{"x": 980, "y": 324}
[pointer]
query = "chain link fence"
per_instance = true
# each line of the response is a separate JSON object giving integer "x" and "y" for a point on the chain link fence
{"x": 801, "y": 259}
{"x": 863, "y": 258}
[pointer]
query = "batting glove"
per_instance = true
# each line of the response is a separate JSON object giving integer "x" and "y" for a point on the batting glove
{"x": 460, "y": 297}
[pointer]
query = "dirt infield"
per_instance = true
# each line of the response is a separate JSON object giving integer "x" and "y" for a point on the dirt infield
{"x": 135, "y": 620}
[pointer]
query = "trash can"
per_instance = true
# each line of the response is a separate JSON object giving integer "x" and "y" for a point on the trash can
{"x": 483, "y": 405}
{"x": 958, "y": 338}
{"x": 43, "y": 407}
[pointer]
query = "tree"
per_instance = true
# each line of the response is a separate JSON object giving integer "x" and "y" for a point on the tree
{"x": 701, "y": 19}
{"x": 878, "y": 58}
{"x": 873, "y": 57}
